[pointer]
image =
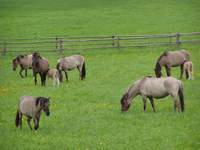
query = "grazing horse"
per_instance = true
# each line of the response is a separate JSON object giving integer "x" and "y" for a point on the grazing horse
{"x": 54, "y": 74}
{"x": 171, "y": 59}
{"x": 68, "y": 63}
{"x": 25, "y": 62}
{"x": 151, "y": 87}
{"x": 188, "y": 70}
{"x": 40, "y": 65}
{"x": 31, "y": 107}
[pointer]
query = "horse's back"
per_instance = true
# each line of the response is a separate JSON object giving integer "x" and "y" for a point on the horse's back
{"x": 175, "y": 58}
{"x": 27, "y": 105}
{"x": 153, "y": 87}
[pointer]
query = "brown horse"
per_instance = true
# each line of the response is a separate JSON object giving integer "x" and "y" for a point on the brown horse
{"x": 188, "y": 70}
{"x": 151, "y": 87}
{"x": 31, "y": 107}
{"x": 171, "y": 59}
{"x": 40, "y": 65}
{"x": 25, "y": 62}
{"x": 69, "y": 63}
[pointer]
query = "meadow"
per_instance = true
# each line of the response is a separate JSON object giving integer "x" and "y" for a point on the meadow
{"x": 86, "y": 114}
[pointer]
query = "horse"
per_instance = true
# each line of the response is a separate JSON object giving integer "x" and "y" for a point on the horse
{"x": 25, "y": 62}
{"x": 31, "y": 107}
{"x": 69, "y": 63}
{"x": 152, "y": 87}
{"x": 54, "y": 74}
{"x": 40, "y": 65}
{"x": 188, "y": 70}
{"x": 170, "y": 59}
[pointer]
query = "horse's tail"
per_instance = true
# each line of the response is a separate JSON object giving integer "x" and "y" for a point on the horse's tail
{"x": 59, "y": 72}
{"x": 83, "y": 71}
{"x": 181, "y": 97}
{"x": 17, "y": 119}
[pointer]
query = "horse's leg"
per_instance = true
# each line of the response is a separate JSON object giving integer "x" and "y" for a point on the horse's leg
{"x": 26, "y": 72}
{"x": 176, "y": 103}
{"x": 35, "y": 75}
{"x": 144, "y": 103}
{"x": 20, "y": 72}
{"x": 181, "y": 67}
{"x": 80, "y": 72}
{"x": 66, "y": 75}
{"x": 20, "y": 120}
{"x": 152, "y": 103}
{"x": 168, "y": 70}
{"x": 41, "y": 77}
{"x": 36, "y": 123}
{"x": 29, "y": 122}
{"x": 44, "y": 78}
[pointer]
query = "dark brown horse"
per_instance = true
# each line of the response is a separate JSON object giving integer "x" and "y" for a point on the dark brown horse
{"x": 31, "y": 107}
{"x": 171, "y": 59}
{"x": 25, "y": 62}
{"x": 40, "y": 65}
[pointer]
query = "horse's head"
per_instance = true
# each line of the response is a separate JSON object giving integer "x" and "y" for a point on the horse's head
{"x": 125, "y": 102}
{"x": 158, "y": 70}
{"x": 15, "y": 63}
{"x": 44, "y": 104}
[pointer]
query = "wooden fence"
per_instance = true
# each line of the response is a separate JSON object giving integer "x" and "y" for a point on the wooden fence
{"x": 60, "y": 44}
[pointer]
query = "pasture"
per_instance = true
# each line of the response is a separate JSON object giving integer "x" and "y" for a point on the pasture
{"x": 86, "y": 114}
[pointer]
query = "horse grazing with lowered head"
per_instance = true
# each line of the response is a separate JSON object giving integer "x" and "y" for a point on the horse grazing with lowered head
{"x": 69, "y": 63}
{"x": 188, "y": 70}
{"x": 151, "y": 87}
{"x": 31, "y": 107}
{"x": 54, "y": 74}
{"x": 25, "y": 62}
{"x": 171, "y": 59}
{"x": 40, "y": 65}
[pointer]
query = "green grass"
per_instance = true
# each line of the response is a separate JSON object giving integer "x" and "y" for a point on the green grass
{"x": 86, "y": 114}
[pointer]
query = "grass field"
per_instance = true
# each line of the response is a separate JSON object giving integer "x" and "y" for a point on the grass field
{"x": 86, "y": 114}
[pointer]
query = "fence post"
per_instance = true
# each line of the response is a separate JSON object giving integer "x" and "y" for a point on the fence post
{"x": 56, "y": 44}
{"x": 178, "y": 42}
{"x": 61, "y": 45}
{"x": 113, "y": 40}
{"x": 118, "y": 44}
{"x": 4, "y": 48}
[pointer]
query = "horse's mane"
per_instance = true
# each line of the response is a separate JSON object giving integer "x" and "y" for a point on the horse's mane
{"x": 124, "y": 97}
{"x": 163, "y": 54}
{"x": 158, "y": 67}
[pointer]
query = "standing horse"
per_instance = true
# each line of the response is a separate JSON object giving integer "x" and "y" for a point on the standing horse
{"x": 54, "y": 74}
{"x": 68, "y": 63}
{"x": 25, "y": 62}
{"x": 188, "y": 70}
{"x": 31, "y": 107}
{"x": 40, "y": 65}
{"x": 150, "y": 87}
{"x": 171, "y": 59}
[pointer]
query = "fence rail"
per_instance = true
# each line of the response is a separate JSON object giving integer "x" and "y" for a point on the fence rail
{"x": 60, "y": 44}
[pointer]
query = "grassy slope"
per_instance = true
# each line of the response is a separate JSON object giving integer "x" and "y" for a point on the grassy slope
{"x": 21, "y": 18}
{"x": 86, "y": 115}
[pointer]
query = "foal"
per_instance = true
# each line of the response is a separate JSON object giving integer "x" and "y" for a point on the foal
{"x": 150, "y": 87}
{"x": 31, "y": 107}
{"x": 188, "y": 70}
{"x": 54, "y": 74}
